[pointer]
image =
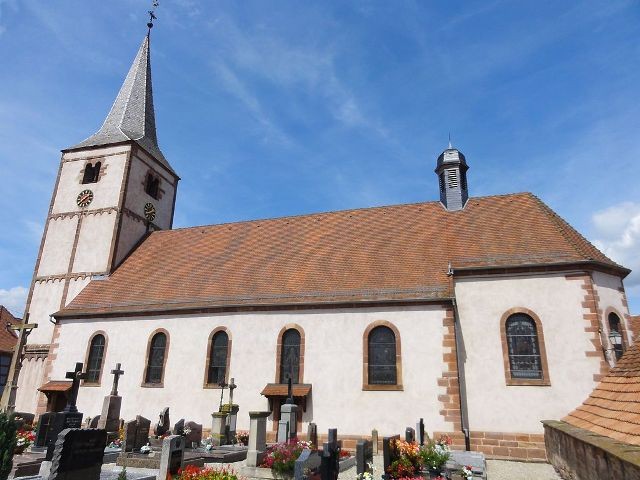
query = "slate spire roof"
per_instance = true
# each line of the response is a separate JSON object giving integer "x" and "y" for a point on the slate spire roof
{"x": 132, "y": 115}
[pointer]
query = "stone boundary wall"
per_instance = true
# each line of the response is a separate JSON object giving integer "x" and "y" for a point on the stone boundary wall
{"x": 579, "y": 454}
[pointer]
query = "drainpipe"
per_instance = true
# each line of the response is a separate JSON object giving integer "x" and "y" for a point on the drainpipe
{"x": 457, "y": 329}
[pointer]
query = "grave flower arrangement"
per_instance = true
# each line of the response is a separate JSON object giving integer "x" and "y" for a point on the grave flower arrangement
{"x": 24, "y": 438}
{"x": 467, "y": 472}
{"x": 281, "y": 457}
{"x": 117, "y": 443}
{"x": 408, "y": 463}
{"x": 191, "y": 472}
{"x": 242, "y": 437}
{"x": 435, "y": 454}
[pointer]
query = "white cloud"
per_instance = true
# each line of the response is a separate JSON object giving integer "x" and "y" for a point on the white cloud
{"x": 14, "y": 299}
{"x": 618, "y": 236}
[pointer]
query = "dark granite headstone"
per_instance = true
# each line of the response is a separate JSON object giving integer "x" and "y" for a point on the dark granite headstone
{"x": 22, "y": 418}
{"x": 94, "y": 422}
{"x": 364, "y": 456}
{"x": 410, "y": 435}
{"x": 178, "y": 428}
{"x": 194, "y": 435}
{"x": 60, "y": 422}
{"x": 164, "y": 423}
{"x": 306, "y": 465}
{"x": 172, "y": 456}
{"x": 420, "y": 432}
{"x": 43, "y": 426}
{"x": 330, "y": 460}
{"x": 130, "y": 432}
{"x": 389, "y": 452}
{"x": 312, "y": 435}
{"x": 143, "y": 425}
{"x": 78, "y": 454}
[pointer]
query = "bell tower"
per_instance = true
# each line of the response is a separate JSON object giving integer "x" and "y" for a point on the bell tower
{"x": 112, "y": 189}
{"x": 452, "y": 177}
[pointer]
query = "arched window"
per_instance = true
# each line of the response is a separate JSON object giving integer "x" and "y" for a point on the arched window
{"x": 524, "y": 351}
{"x": 290, "y": 356}
{"x": 616, "y": 336}
{"x": 91, "y": 173}
{"x": 152, "y": 185}
{"x": 382, "y": 357}
{"x": 157, "y": 353}
{"x": 94, "y": 360}
{"x": 218, "y": 354}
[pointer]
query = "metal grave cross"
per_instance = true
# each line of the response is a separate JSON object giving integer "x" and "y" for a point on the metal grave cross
{"x": 116, "y": 376}
{"x": 75, "y": 376}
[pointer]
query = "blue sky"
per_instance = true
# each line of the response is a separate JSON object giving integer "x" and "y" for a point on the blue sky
{"x": 277, "y": 108}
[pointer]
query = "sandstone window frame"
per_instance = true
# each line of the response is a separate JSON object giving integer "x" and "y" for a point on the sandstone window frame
{"x": 622, "y": 330}
{"x": 366, "y": 385}
{"x": 145, "y": 374}
{"x": 213, "y": 333}
{"x": 88, "y": 358}
{"x": 545, "y": 381}
{"x": 279, "y": 346}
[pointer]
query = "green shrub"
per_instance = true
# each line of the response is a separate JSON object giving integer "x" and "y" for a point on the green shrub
{"x": 7, "y": 444}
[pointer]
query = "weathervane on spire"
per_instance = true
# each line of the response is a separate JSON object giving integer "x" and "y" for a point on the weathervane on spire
{"x": 152, "y": 15}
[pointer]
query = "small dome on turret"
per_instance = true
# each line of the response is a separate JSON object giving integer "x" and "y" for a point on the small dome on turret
{"x": 451, "y": 155}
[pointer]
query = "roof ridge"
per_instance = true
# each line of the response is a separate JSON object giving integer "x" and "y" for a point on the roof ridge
{"x": 330, "y": 212}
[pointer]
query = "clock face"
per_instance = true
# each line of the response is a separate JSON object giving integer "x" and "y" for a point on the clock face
{"x": 85, "y": 197}
{"x": 149, "y": 211}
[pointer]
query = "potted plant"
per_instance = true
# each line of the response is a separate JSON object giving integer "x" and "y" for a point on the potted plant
{"x": 281, "y": 457}
{"x": 24, "y": 438}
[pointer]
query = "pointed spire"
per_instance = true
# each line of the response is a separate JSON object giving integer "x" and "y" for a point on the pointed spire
{"x": 132, "y": 115}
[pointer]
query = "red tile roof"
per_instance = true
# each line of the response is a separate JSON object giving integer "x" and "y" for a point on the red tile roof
{"x": 613, "y": 408}
{"x": 374, "y": 254}
{"x": 56, "y": 386}
{"x": 8, "y": 339}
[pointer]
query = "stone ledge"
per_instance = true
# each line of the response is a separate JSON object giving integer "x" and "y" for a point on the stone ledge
{"x": 623, "y": 451}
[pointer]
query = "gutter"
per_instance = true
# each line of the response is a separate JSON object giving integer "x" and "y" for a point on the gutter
{"x": 462, "y": 386}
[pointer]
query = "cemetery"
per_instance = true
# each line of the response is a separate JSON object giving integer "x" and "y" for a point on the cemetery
{"x": 66, "y": 445}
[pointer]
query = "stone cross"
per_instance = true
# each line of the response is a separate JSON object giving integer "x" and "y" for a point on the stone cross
{"x": 289, "y": 392}
{"x": 232, "y": 387}
{"x": 222, "y": 386}
{"x": 76, "y": 376}
{"x": 116, "y": 376}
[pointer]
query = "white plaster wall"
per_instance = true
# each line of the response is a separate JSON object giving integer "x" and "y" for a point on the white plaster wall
{"x": 45, "y": 300}
{"x": 494, "y": 406}
{"x": 57, "y": 246}
{"x": 106, "y": 192}
{"x": 30, "y": 375}
{"x": 137, "y": 197}
{"x": 611, "y": 298}
{"x": 94, "y": 242}
{"x": 75, "y": 287}
{"x": 333, "y": 365}
{"x": 132, "y": 230}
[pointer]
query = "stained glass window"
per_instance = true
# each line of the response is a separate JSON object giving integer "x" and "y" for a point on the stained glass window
{"x": 156, "y": 358}
{"x": 524, "y": 351}
{"x": 94, "y": 362}
{"x": 290, "y": 357}
{"x": 615, "y": 335}
{"x": 382, "y": 357}
{"x": 218, "y": 358}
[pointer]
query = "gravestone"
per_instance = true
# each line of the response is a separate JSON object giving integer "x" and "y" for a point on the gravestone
{"x": 330, "y": 461}
{"x": 364, "y": 457}
{"x": 69, "y": 417}
{"x": 306, "y": 465}
{"x": 389, "y": 452}
{"x": 178, "y": 428}
{"x": 78, "y": 454}
{"x": 22, "y": 418}
{"x": 374, "y": 441}
{"x": 164, "y": 423}
{"x": 172, "y": 456}
{"x": 420, "y": 432}
{"x": 218, "y": 431}
{"x": 110, "y": 416}
{"x": 143, "y": 425}
{"x": 43, "y": 427}
{"x": 257, "y": 438}
{"x": 312, "y": 435}
{"x": 130, "y": 432}
{"x": 283, "y": 431}
{"x": 94, "y": 422}
{"x": 410, "y": 435}
{"x": 194, "y": 434}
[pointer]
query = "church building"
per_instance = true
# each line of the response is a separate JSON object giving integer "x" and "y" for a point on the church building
{"x": 482, "y": 315}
